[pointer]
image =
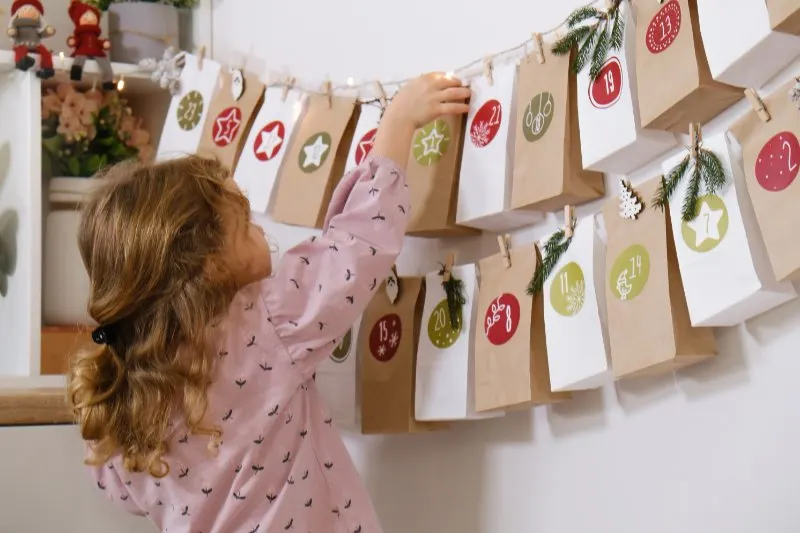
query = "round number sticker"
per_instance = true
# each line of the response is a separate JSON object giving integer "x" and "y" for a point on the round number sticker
{"x": 502, "y": 319}
{"x": 568, "y": 290}
{"x": 226, "y": 126}
{"x": 664, "y": 28}
{"x": 778, "y": 162}
{"x": 431, "y": 142}
{"x": 384, "y": 339}
{"x": 341, "y": 352}
{"x": 538, "y": 116}
{"x": 486, "y": 123}
{"x": 190, "y": 109}
{"x": 315, "y": 151}
{"x": 606, "y": 89}
{"x": 629, "y": 273}
{"x": 364, "y": 146}
{"x": 440, "y": 329}
{"x": 709, "y": 226}
{"x": 269, "y": 140}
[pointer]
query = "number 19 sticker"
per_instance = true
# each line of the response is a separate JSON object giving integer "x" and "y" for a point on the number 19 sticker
{"x": 629, "y": 273}
{"x": 606, "y": 89}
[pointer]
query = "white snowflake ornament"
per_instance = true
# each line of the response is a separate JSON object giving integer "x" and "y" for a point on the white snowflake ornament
{"x": 629, "y": 204}
{"x": 166, "y": 71}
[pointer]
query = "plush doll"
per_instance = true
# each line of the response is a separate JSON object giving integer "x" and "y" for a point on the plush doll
{"x": 86, "y": 43}
{"x": 27, "y": 29}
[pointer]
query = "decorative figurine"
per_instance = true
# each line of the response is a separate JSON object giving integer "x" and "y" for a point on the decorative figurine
{"x": 86, "y": 43}
{"x": 27, "y": 29}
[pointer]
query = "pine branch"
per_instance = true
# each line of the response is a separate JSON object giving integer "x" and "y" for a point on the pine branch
{"x": 689, "y": 208}
{"x": 669, "y": 184}
{"x": 618, "y": 30}
{"x": 713, "y": 172}
{"x": 555, "y": 247}
{"x": 455, "y": 291}
{"x": 572, "y": 39}
{"x": 582, "y": 14}
{"x": 585, "y": 51}
{"x": 600, "y": 51}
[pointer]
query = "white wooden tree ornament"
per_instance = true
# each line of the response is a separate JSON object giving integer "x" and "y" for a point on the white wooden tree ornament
{"x": 629, "y": 204}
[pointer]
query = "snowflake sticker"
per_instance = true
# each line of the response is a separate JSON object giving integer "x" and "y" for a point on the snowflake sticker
{"x": 664, "y": 28}
{"x": 502, "y": 319}
{"x": 630, "y": 272}
{"x": 385, "y": 337}
{"x": 568, "y": 290}
{"x": 486, "y": 123}
{"x": 431, "y": 142}
{"x": 778, "y": 162}
{"x": 342, "y": 350}
{"x": 440, "y": 329}
{"x": 364, "y": 146}
{"x": 190, "y": 109}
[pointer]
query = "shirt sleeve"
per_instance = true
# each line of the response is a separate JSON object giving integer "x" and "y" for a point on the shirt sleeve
{"x": 107, "y": 480}
{"x": 322, "y": 285}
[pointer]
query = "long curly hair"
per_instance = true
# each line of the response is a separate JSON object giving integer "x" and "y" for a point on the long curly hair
{"x": 152, "y": 239}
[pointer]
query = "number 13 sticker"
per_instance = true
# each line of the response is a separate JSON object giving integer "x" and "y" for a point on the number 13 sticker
{"x": 664, "y": 28}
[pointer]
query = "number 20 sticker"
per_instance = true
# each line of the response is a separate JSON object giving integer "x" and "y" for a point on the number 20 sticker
{"x": 606, "y": 89}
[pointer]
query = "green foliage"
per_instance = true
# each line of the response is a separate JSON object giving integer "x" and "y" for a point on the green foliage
{"x": 103, "y": 5}
{"x": 555, "y": 247}
{"x": 594, "y": 33}
{"x": 455, "y": 291}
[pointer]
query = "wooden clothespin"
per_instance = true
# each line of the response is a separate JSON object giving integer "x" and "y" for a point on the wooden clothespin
{"x": 503, "y": 241}
{"x": 538, "y": 47}
{"x": 757, "y": 104}
{"x": 287, "y": 86}
{"x": 393, "y": 285}
{"x": 569, "y": 221}
{"x": 488, "y": 67}
{"x": 696, "y": 136}
{"x": 381, "y": 94}
{"x": 201, "y": 55}
{"x": 327, "y": 88}
{"x": 448, "y": 265}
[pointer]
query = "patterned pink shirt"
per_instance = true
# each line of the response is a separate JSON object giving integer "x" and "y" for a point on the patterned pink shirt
{"x": 281, "y": 466}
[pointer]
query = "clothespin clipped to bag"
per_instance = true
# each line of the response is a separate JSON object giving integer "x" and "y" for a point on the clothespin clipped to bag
{"x": 327, "y": 88}
{"x": 448, "y": 266}
{"x": 201, "y": 55}
{"x": 393, "y": 285}
{"x": 538, "y": 47}
{"x": 696, "y": 136}
{"x": 569, "y": 221}
{"x": 287, "y": 86}
{"x": 503, "y": 241}
{"x": 488, "y": 67}
{"x": 381, "y": 94}
{"x": 757, "y": 104}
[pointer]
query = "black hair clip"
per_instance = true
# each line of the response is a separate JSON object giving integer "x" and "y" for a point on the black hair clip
{"x": 103, "y": 335}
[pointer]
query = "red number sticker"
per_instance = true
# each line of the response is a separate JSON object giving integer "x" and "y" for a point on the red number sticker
{"x": 384, "y": 339}
{"x": 486, "y": 123}
{"x": 606, "y": 89}
{"x": 269, "y": 140}
{"x": 664, "y": 28}
{"x": 226, "y": 126}
{"x": 365, "y": 145}
{"x": 502, "y": 319}
{"x": 778, "y": 161}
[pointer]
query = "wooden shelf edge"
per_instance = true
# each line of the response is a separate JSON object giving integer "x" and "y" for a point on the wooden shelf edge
{"x": 34, "y": 406}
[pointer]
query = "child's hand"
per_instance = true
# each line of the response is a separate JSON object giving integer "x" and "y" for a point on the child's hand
{"x": 426, "y": 98}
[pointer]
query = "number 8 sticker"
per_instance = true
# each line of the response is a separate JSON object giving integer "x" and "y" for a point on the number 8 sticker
{"x": 538, "y": 116}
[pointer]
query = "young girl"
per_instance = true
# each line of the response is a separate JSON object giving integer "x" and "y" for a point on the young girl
{"x": 199, "y": 404}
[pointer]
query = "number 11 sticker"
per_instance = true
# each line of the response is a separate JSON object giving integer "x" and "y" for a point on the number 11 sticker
{"x": 606, "y": 89}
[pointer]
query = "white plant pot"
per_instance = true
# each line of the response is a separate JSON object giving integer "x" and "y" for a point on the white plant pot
{"x": 65, "y": 283}
{"x": 140, "y": 30}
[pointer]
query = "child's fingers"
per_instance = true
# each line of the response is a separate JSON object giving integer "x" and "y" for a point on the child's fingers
{"x": 449, "y": 108}
{"x": 442, "y": 81}
{"x": 454, "y": 94}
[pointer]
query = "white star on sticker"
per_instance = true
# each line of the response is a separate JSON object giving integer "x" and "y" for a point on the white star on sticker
{"x": 269, "y": 142}
{"x": 314, "y": 152}
{"x": 706, "y": 224}
{"x": 227, "y": 126}
{"x": 432, "y": 142}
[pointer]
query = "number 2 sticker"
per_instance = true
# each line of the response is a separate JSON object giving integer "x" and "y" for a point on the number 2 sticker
{"x": 778, "y": 162}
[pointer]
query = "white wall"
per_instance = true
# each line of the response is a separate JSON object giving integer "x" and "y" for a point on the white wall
{"x": 713, "y": 449}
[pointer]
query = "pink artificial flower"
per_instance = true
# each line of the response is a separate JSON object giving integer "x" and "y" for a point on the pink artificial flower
{"x": 51, "y": 104}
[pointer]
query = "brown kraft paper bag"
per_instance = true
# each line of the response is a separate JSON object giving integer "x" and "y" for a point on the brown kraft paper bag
{"x": 784, "y": 15}
{"x": 315, "y": 161}
{"x": 771, "y": 154}
{"x": 387, "y": 351}
{"x": 511, "y": 367}
{"x": 434, "y": 166}
{"x": 229, "y": 119}
{"x": 548, "y": 167}
{"x": 675, "y": 86}
{"x": 648, "y": 321}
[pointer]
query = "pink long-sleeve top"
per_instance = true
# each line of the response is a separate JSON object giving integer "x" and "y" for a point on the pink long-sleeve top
{"x": 281, "y": 466}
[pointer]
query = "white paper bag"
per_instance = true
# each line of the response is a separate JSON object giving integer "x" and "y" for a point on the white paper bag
{"x": 445, "y": 383}
{"x": 576, "y": 329}
{"x": 188, "y": 110}
{"x": 741, "y": 47}
{"x": 723, "y": 262}
{"x": 484, "y": 190}
{"x": 364, "y": 136}
{"x": 266, "y": 145}
{"x": 612, "y": 137}
{"x": 337, "y": 381}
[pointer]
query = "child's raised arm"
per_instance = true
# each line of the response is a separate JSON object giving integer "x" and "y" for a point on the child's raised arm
{"x": 322, "y": 285}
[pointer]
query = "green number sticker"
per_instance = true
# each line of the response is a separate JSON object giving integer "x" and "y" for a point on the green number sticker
{"x": 431, "y": 142}
{"x": 315, "y": 152}
{"x": 709, "y": 226}
{"x": 568, "y": 290}
{"x": 538, "y": 116}
{"x": 630, "y": 272}
{"x": 190, "y": 109}
{"x": 440, "y": 329}
{"x": 341, "y": 352}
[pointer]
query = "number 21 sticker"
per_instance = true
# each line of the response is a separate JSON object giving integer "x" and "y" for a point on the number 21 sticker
{"x": 606, "y": 89}
{"x": 486, "y": 123}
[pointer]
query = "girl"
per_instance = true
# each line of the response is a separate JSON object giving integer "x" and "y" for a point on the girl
{"x": 199, "y": 404}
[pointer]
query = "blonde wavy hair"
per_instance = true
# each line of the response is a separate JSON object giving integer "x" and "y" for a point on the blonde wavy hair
{"x": 152, "y": 238}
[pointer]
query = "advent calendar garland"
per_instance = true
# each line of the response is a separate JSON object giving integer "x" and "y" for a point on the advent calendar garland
{"x": 594, "y": 32}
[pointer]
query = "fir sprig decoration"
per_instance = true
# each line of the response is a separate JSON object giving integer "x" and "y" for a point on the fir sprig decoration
{"x": 594, "y": 32}
{"x": 455, "y": 291}
{"x": 554, "y": 248}
{"x": 706, "y": 170}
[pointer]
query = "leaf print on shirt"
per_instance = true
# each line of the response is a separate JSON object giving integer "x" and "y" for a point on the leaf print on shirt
{"x": 350, "y": 299}
{"x": 241, "y": 382}
{"x": 237, "y": 469}
{"x": 223, "y": 354}
{"x": 255, "y": 529}
{"x": 228, "y": 416}
{"x": 185, "y": 511}
{"x": 257, "y": 469}
{"x": 251, "y": 342}
{"x": 288, "y": 418}
{"x": 379, "y": 217}
{"x": 184, "y": 473}
{"x": 287, "y": 457}
{"x": 259, "y": 440}
{"x": 289, "y": 524}
{"x": 401, "y": 209}
{"x": 265, "y": 367}
{"x": 294, "y": 282}
{"x": 290, "y": 481}
{"x": 303, "y": 433}
{"x": 101, "y": 486}
{"x": 184, "y": 439}
{"x": 249, "y": 306}
{"x": 238, "y": 496}
{"x": 348, "y": 503}
{"x": 206, "y": 490}
{"x": 309, "y": 502}
{"x": 271, "y": 497}
{"x": 274, "y": 410}
{"x": 357, "y": 530}
{"x": 335, "y": 511}
{"x": 373, "y": 284}
{"x": 328, "y": 465}
{"x": 305, "y": 474}
{"x": 124, "y": 497}
{"x": 329, "y": 421}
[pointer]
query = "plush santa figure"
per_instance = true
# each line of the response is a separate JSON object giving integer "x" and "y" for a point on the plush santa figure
{"x": 27, "y": 29}
{"x": 86, "y": 43}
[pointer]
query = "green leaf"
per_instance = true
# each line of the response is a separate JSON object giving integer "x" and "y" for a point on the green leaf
{"x": 669, "y": 183}
{"x": 585, "y": 51}
{"x": 582, "y": 14}
{"x": 93, "y": 164}
{"x": 73, "y": 166}
{"x": 714, "y": 175}
{"x": 600, "y": 52}
{"x": 618, "y": 31}
{"x": 572, "y": 39}
{"x": 689, "y": 208}
{"x": 53, "y": 144}
{"x": 555, "y": 247}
